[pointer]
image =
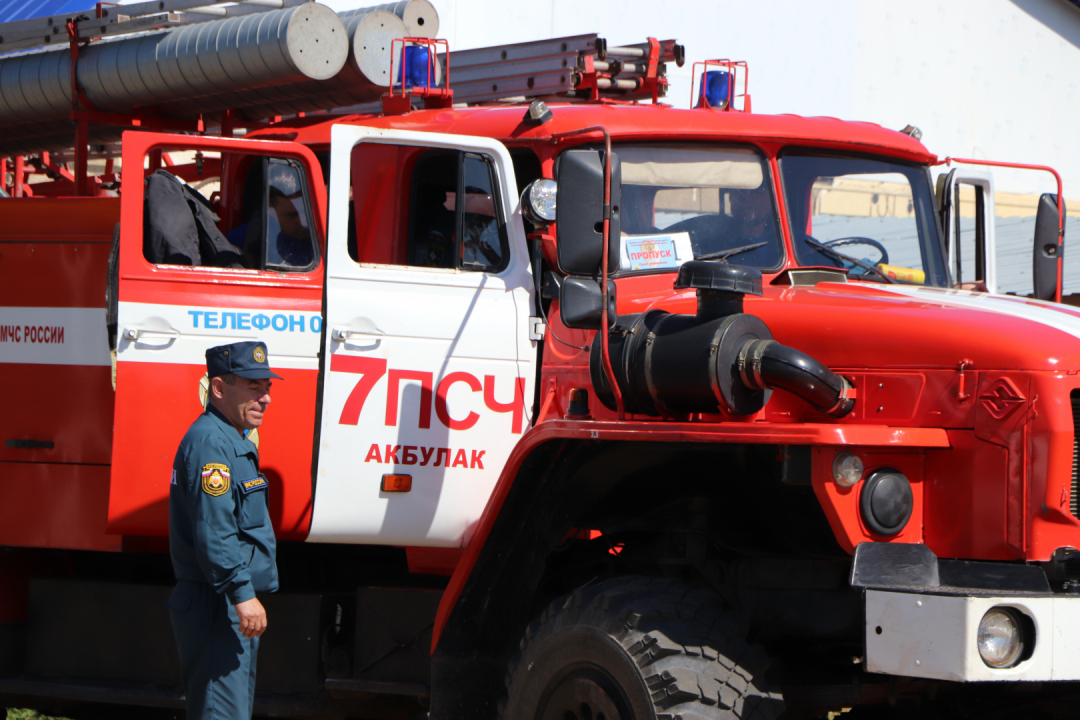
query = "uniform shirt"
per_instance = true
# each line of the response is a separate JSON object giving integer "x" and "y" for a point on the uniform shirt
{"x": 219, "y": 520}
{"x": 296, "y": 252}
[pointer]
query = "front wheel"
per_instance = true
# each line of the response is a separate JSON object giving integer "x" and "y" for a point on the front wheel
{"x": 638, "y": 649}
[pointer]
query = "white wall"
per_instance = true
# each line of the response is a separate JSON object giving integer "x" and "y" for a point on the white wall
{"x": 993, "y": 79}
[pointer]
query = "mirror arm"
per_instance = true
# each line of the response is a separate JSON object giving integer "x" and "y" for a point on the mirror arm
{"x": 605, "y": 356}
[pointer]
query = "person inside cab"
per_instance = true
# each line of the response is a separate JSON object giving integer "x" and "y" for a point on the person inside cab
{"x": 752, "y": 215}
{"x": 455, "y": 220}
{"x": 480, "y": 242}
{"x": 289, "y": 234}
{"x": 275, "y": 235}
{"x": 433, "y": 245}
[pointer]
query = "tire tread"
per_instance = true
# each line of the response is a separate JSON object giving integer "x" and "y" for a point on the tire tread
{"x": 715, "y": 675}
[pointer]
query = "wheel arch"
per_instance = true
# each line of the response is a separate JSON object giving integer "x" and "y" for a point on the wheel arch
{"x": 551, "y": 481}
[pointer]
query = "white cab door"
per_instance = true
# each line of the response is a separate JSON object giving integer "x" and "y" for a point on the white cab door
{"x": 428, "y": 372}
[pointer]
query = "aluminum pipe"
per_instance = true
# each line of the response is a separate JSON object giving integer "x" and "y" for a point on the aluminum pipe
{"x": 182, "y": 69}
{"x": 363, "y": 80}
{"x": 365, "y": 77}
{"x": 267, "y": 67}
{"x": 419, "y": 16}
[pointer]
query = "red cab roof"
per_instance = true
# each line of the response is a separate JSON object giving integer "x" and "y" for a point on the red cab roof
{"x": 624, "y": 122}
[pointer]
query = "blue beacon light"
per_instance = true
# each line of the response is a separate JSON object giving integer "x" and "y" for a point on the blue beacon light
{"x": 417, "y": 67}
{"x": 715, "y": 87}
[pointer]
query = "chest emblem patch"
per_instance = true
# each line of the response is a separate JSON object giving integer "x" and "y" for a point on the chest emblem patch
{"x": 215, "y": 479}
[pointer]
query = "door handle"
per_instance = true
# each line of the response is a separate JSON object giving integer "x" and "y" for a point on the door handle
{"x": 358, "y": 327}
{"x": 135, "y": 334}
{"x": 344, "y": 334}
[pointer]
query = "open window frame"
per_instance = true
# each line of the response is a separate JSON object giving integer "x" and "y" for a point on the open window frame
{"x": 138, "y": 146}
{"x": 305, "y": 194}
{"x": 415, "y": 192}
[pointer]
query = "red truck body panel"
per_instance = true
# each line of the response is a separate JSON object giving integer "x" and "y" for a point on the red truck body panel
{"x": 55, "y": 253}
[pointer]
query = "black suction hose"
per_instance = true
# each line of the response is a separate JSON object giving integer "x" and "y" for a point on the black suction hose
{"x": 765, "y": 364}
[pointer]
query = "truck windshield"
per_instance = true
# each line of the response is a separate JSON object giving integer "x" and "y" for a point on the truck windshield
{"x": 870, "y": 217}
{"x": 681, "y": 202}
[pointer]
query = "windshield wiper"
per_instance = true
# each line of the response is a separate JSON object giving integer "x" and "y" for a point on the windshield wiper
{"x": 725, "y": 254}
{"x": 842, "y": 257}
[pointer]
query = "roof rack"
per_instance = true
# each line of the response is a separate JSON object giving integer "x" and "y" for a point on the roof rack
{"x": 109, "y": 19}
{"x": 576, "y": 67}
{"x": 529, "y": 69}
{"x": 579, "y": 66}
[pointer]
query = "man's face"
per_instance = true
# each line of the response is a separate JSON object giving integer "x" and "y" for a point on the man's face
{"x": 288, "y": 218}
{"x": 243, "y": 403}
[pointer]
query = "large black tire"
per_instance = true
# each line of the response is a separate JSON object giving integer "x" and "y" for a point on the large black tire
{"x": 638, "y": 648}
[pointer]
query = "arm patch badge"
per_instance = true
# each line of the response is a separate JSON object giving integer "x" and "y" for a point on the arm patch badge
{"x": 215, "y": 479}
{"x": 257, "y": 483}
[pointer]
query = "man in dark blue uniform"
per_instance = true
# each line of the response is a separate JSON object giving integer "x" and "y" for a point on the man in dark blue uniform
{"x": 220, "y": 537}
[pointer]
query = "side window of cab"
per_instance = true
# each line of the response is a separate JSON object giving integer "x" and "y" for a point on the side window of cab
{"x": 288, "y": 243}
{"x": 454, "y": 219}
{"x": 426, "y": 208}
{"x": 259, "y": 219}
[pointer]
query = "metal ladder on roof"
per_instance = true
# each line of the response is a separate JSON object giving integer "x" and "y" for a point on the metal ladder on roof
{"x": 580, "y": 66}
{"x": 576, "y": 68}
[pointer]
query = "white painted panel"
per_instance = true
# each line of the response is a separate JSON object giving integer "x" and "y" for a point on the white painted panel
{"x": 422, "y": 306}
{"x": 917, "y": 639}
{"x": 1065, "y": 633}
{"x": 394, "y": 336}
{"x": 53, "y": 336}
{"x": 181, "y": 334}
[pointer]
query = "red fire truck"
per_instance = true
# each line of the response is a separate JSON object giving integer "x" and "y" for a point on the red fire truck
{"x": 591, "y": 407}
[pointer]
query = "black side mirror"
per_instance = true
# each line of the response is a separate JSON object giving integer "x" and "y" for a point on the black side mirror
{"x": 579, "y": 211}
{"x": 580, "y": 303}
{"x": 1048, "y": 248}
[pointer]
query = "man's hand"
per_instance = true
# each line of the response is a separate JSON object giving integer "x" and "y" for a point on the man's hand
{"x": 252, "y": 617}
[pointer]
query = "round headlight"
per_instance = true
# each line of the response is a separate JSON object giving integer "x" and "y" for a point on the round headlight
{"x": 538, "y": 200}
{"x": 1000, "y": 640}
{"x": 847, "y": 469}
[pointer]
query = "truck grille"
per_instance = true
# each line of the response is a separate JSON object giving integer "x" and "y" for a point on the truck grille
{"x": 1074, "y": 396}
